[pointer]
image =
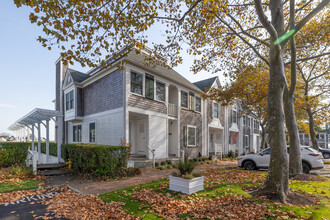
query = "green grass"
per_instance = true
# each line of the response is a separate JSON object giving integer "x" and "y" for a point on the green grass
{"x": 137, "y": 208}
{"x": 21, "y": 185}
{"x": 326, "y": 161}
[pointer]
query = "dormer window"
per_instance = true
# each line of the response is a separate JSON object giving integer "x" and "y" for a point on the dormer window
{"x": 69, "y": 100}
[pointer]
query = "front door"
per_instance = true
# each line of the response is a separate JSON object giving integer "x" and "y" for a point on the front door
{"x": 141, "y": 137}
{"x": 211, "y": 144}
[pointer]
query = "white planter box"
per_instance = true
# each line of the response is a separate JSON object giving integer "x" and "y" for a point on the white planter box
{"x": 187, "y": 186}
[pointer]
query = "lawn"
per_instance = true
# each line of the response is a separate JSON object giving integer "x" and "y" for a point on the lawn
{"x": 225, "y": 196}
{"x": 10, "y": 186}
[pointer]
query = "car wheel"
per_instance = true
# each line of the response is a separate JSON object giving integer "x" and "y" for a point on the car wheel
{"x": 306, "y": 168}
{"x": 249, "y": 165}
{"x": 326, "y": 155}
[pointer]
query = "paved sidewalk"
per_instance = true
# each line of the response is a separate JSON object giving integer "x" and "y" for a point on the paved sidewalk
{"x": 148, "y": 175}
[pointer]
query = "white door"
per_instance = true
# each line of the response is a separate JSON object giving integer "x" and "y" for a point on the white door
{"x": 141, "y": 137}
{"x": 211, "y": 144}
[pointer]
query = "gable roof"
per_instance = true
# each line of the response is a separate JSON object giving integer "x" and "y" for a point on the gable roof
{"x": 205, "y": 84}
{"x": 165, "y": 72}
{"x": 77, "y": 76}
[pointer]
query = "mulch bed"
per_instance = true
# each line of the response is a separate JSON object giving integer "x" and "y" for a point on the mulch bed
{"x": 308, "y": 177}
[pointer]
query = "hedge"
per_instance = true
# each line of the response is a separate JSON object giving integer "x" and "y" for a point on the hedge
{"x": 13, "y": 152}
{"x": 96, "y": 160}
{"x": 52, "y": 148}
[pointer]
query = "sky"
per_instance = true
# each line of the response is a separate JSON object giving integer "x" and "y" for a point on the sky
{"x": 27, "y": 73}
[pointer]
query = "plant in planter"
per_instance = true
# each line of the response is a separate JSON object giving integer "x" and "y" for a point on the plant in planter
{"x": 186, "y": 181}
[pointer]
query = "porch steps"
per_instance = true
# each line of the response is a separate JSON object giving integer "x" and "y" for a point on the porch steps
{"x": 52, "y": 169}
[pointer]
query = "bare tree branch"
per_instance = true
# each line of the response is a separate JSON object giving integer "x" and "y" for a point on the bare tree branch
{"x": 309, "y": 58}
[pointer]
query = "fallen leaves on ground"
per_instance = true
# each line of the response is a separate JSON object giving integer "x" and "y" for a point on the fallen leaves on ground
{"x": 218, "y": 176}
{"x": 219, "y": 207}
{"x": 72, "y": 205}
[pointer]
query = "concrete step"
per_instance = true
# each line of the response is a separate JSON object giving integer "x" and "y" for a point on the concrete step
{"x": 52, "y": 172}
{"x": 51, "y": 166}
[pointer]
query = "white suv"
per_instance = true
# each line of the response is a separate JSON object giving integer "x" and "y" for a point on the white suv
{"x": 311, "y": 160}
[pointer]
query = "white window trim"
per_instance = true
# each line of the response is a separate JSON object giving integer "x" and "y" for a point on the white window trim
{"x": 190, "y": 126}
{"x": 187, "y": 99}
{"x": 218, "y": 110}
{"x": 143, "y": 83}
{"x": 80, "y": 133}
{"x": 74, "y": 99}
{"x": 248, "y": 140}
{"x": 196, "y": 104}
{"x": 155, "y": 90}
{"x": 89, "y": 131}
{"x": 232, "y": 114}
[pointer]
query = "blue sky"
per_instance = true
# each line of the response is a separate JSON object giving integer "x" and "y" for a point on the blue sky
{"x": 27, "y": 73}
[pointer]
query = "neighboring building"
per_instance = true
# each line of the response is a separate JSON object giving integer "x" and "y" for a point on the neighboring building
{"x": 322, "y": 138}
{"x": 155, "y": 109}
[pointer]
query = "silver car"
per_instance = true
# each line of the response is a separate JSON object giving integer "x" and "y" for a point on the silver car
{"x": 311, "y": 160}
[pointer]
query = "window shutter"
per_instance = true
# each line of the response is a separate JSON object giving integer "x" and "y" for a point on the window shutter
{"x": 211, "y": 109}
{"x": 197, "y": 137}
{"x": 185, "y": 136}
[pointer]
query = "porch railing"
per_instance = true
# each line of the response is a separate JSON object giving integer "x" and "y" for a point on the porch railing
{"x": 172, "y": 110}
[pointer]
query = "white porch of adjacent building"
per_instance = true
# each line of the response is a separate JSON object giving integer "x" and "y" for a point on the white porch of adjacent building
{"x": 34, "y": 120}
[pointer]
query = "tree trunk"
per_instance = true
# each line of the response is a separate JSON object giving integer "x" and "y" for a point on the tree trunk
{"x": 311, "y": 129}
{"x": 295, "y": 163}
{"x": 277, "y": 181}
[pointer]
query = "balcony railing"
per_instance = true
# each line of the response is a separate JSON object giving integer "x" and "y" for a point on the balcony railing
{"x": 172, "y": 110}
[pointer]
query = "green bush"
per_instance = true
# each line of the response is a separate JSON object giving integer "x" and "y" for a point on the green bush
{"x": 52, "y": 148}
{"x": 13, "y": 152}
{"x": 231, "y": 154}
{"x": 96, "y": 160}
{"x": 185, "y": 167}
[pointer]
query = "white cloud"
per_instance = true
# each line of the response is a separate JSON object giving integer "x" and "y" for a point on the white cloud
{"x": 7, "y": 106}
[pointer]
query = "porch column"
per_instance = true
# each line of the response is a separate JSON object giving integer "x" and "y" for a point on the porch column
{"x": 47, "y": 141}
{"x": 39, "y": 140}
{"x": 59, "y": 137}
{"x": 33, "y": 137}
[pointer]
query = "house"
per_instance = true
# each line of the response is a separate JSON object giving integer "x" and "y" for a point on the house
{"x": 322, "y": 138}
{"x": 156, "y": 109}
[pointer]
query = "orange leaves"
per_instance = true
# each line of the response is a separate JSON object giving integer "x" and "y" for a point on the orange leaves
{"x": 72, "y": 205}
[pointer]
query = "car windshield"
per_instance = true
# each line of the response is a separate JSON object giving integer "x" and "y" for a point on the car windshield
{"x": 267, "y": 151}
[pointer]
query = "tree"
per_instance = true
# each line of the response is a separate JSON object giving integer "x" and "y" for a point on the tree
{"x": 212, "y": 29}
{"x": 250, "y": 86}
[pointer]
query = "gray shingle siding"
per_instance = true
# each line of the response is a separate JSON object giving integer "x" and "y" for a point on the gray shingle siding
{"x": 104, "y": 94}
{"x": 146, "y": 104}
{"x": 194, "y": 119}
{"x": 80, "y": 102}
{"x": 58, "y": 85}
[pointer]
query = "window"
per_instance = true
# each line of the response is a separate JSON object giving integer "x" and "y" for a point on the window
{"x": 248, "y": 121}
{"x": 257, "y": 125}
{"x": 198, "y": 104}
{"x": 267, "y": 151}
{"x": 184, "y": 99}
{"x": 136, "y": 83}
{"x": 160, "y": 91}
{"x": 149, "y": 93}
{"x": 76, "y": 133}
{"x": 92, "y": 132}
{"x": 69, "y": 100}
{"x": 246, "y": 140}
{"x": 234, "y": 116}
{"x": 191, "y": 101}
{"x": 244, "y": 120}
{"x": 215, "y": 110}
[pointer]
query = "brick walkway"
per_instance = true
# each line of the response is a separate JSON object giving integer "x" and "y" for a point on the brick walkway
{"x": 148, "y": 175}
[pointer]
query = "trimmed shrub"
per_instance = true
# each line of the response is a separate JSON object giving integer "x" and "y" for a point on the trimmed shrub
{"x": 96, "y": 160}
{"x": 52, "y": 148}
{"x": 185, "y": 167}
{"x": 13, "y": 152}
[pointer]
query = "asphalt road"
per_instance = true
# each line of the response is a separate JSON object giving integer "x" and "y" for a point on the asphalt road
{"x": 26, "y": 208}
